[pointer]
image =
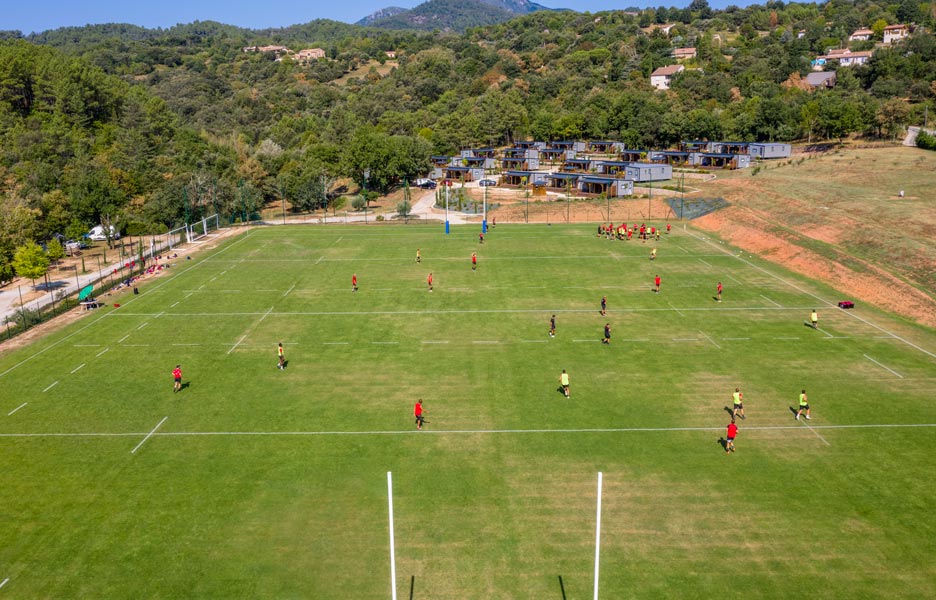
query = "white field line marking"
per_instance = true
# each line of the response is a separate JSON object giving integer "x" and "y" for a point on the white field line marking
{"x": 826, "y": 302}
{"x": 92, "y": 323}
{"x": 222, "y": 273}
{"x": 120, "y": 341}
{"x": 883, "y": 367}
{"x": 148, "y": 435}
{"x": 685, "y": 339}
{"x": 485, "y": 342}
{"x": 101, "y": 352}
{"x": 435, "y": 342}
{"x": 710, "y": 339}
{"x": 160, "y": 314}
{"x": 735, "y": 339}
{"x": 143, "y": 325}
{"x": 407, "y": 259}
{"x": 769, "y": 300}
{"x": 534, "y": 341}
{"x": 479, "y": 311}
{"x": 234, "y": 347}
{"x": 286, "y": 293}
{"x": 676, "y": 309}
{"x": 786, "y": 338}
{"x": 460, "y": 431}
{"x": 683, "y": 249}
{"x": 76, "y": 369}
{"x": 186, "y": 344}
{"x": 87, "y": 345}
{"x": 706, "y": 264}
{"x": 816, "y": 432}
{"x": 336, "y": 343}
{"x": 320, "y": 259}
{"x": 136, "y": 345}
{"x": 17, "y": 408}
{"x": 597, "y": 535}
{"x": 827, "y": 334}
{"x": 733, "y": 279}
{"x": 265, "y": 315}
{"x": 392, "y": 546}
{"x": 173, "y": 305}
{"x": 385, "y": 343}
{"x": 50, "y": 387}
{"x": 4, "y": 582}
{"x": 338, "y": 240}
{"x": 201, "y": 287}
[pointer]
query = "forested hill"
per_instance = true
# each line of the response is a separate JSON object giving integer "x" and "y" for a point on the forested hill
{"x": 116, "y": 120}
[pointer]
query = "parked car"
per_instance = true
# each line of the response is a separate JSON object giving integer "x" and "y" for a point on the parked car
{"x": 426, "y": 184}
{"x": 97, "y": 234}
{"x": 487, "y": 182}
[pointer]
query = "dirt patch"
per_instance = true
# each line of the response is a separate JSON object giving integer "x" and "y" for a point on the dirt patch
{"x": 771, "y": 220}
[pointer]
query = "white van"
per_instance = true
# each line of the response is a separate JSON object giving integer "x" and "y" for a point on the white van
{"x": 97, "y": 234}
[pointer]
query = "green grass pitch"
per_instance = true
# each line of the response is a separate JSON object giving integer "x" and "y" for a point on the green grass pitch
{"x": 261, "y": 483}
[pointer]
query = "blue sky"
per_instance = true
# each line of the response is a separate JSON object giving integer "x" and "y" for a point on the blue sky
{"x": 51, "y": 14}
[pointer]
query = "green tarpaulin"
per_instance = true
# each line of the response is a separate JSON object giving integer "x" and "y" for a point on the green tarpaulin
{"x": 85, "y": 292}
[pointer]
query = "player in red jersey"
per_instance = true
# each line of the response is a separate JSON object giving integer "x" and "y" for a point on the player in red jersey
{"x": 656, "y": 282}
{"x": 730, "y": 434}
{"x": 177, "y": 378}
{"x": 429, "y": 281}
{"x": 719, "y": 290}
{"x": 418, "y": 413}
{"x": 354, "y": 282}
{"x": 474, "y": 261}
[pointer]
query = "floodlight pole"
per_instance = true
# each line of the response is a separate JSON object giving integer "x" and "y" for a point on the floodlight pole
{"x": 597, "y": 535}
{"x": 392, "y": 551}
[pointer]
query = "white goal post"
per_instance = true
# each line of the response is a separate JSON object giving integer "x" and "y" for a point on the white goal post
{"x": 201, "y": 229}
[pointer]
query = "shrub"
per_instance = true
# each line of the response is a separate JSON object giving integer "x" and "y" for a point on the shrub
{"x": 926, "y": 141}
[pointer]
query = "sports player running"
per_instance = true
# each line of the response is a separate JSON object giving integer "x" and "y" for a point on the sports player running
{"x": 282, "y": 357}
{"x": 418, "y": 413}
{"x": 177, "y": 378}
{"x": 730, "y": 435}
{"x": 803, "y": 405}
{"x": 564, "y": 382}
{"x": 552, "y": 326}
{"x": 736, "y": 399}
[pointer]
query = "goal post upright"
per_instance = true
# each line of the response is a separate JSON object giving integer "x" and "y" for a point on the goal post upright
{"x": 598, "y": 535}
{"x": 393, "y": 594}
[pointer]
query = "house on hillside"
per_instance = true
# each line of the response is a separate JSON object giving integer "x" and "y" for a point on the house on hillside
{"x": 279, "y": 51}
{"x": 861, "y": 35}
{"x": 612, "y": 168}
{"x": 821, "y": 79}
{"x": 554, "y": 155}
{"x": 721, "y": 160}
{"x": 519, "y": 177}
{"x": 767, "y": 150}
{"x": 844, "y": 56}
{"x": 578, "y": 165}
{"x": 642, "y": 172}
{"x": 567, "y": 145}
{"x": 308, "y": 55}
{"x": 527, "y": 145}
{"x": 462, "y": 173}
{"x": 730, "y": 147}
{"x": 676, "y": 158}
{"x": 662, "y": 77}
{"x": 563, "y": 181}
{"x": 895, "y": 33}
{"x": 600, "y": 146}
{"x": 612, "y": 187}
{"x": 695, "y": 145}
{"x": 684, "y": 53}
{"x": 632, "y": 154}
{"x": 526, "y": 159}
{"x": 391, "y": 54}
